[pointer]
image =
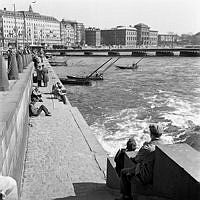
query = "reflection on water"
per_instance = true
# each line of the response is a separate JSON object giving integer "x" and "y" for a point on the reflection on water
{"x": 165, "y": 90}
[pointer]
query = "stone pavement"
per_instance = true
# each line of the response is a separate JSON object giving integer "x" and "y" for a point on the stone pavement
{"x": 63, "y": 159}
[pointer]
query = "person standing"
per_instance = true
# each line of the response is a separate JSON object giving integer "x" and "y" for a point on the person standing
{"x": 45, "y": 75}
{"x": 39, "y": 75}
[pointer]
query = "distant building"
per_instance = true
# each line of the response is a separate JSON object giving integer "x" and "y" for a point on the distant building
{"x": 93, "y": 37}
{"x": 153, "y": 38}
{"x": 7, "y": 27}
{"x": 168, "y": 40}
{"x": 67, "y": 34}
{"x": 72, "y": 27}
{"x": 122, "y": 36}
{"x": 142, "y": 34}
{"x": 32, "y": 28}
{"x": 145, "y": 36}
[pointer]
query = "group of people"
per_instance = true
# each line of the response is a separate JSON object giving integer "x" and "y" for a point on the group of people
{"x": 36, "y": 96}
{"x": 42, "y": 76}
{"x": 142, "y": 170}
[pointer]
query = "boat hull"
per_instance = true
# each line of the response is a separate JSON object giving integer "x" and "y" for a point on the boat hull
{"x": 75, "y": 82}
{"x": 126, "y": 67}
{"x": 85, "y": 78}
{"x": 58, "y": 63}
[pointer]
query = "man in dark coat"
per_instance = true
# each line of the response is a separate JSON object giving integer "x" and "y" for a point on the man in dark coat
{"x": 119, "y": 157}
{"x": 142, "y": 171}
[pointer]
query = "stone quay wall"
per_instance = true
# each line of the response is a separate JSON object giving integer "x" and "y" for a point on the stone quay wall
{"x": 14, "y": 119}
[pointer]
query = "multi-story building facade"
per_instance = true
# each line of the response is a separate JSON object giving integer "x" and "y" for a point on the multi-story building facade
{"x": 67, "y": 33}
{"x": 145, "y": 36}
{"x": 153, "y": 38}
{"x": 142, "y": 34}
{"x": 31, "y": 28}
{"x": 93, "y": 37}
{"x": 76, "y": 31}
{"x": 8, "y": 21}
{"x": 168, "y": 40}
{"x": 121, "y": 36}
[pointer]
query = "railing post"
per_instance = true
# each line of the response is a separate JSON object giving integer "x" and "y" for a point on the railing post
{"x": 23, "y": 60}
{"x": 4, "y": 84}
{"x": 12, "y": 68}
{"x": 19, "y": 62}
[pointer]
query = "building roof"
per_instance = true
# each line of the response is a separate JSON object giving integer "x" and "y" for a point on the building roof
{"x": 121, "y": 28}
{"x": 27, "y": 14}
{"x": 141, "y": 25}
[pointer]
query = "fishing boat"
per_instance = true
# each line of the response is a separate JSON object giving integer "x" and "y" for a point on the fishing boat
{"x": 54, "y": 63}
{"x": 75, "y": 81}
{"x": 127, "y": 67}
{"x": 133, "y": 66}
{"x": 95, "y": 78}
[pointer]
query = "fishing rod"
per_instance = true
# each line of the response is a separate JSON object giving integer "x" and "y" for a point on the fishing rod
{"x": 99, "y": 68}
{"x": 110, "y": 65}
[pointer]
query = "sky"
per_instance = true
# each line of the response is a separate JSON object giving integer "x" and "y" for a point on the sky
{"x": 177, "y": 16}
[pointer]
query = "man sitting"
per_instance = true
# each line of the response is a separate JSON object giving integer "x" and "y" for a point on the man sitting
{"x": 36, "y": 95}
{"x": 119, "y": 157}
{"x": 142, "y": 171}
{"x": 34, "y": 111}
{"x": 58, "y": 92}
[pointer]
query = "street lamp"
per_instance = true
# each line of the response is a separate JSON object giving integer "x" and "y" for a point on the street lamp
{"x": 15, "y": 28}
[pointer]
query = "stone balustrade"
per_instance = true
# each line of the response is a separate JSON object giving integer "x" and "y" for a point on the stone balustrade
{"x": 14, "y": 119}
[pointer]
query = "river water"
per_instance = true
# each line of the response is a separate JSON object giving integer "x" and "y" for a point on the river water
{"x": 163, "y": 89}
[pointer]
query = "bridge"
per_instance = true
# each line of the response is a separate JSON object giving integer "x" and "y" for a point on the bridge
{"x": 130, "y": 51}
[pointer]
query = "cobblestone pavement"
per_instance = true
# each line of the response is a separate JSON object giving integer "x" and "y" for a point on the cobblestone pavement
{"x": 59, "y": 163}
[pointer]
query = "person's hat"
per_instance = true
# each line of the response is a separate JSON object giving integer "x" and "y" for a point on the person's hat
{"x": 156, "y": 130}
{"x": 131, "y": 144}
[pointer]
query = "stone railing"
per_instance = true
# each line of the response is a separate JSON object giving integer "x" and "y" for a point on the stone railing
{"x": 14, "y": 102}
{"x": 16, "y": 63}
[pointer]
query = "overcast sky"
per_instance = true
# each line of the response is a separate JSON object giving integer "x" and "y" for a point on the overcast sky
{"x": 179, "y": 16}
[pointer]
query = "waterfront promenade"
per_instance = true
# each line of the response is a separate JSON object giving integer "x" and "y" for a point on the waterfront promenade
{"x": 63, "y": 159}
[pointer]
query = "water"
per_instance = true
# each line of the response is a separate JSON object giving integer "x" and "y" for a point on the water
{"x": 163, "y": 89}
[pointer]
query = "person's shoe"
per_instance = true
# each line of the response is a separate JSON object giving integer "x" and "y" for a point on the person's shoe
{"x": 48, "y": 114}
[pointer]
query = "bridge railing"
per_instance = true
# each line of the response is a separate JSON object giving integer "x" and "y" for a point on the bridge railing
{"x": 11, "y": 64}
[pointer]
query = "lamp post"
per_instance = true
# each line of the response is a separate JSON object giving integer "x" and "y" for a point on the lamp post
{"x": 15, "y": 28}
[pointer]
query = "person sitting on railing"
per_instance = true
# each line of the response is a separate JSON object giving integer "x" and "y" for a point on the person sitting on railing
{"x": 58, "y": 92}
{"x": 34, "y": 111}
{"x": 142, "y": 171}
{"x": 119, "y": 157}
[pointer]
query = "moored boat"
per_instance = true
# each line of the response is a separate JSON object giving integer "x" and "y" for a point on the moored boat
{"x": 100, "y": 77}
{"x": 76, "y": 81}
{"x": 127, "y": 67}
{"x": 53, "y": 63}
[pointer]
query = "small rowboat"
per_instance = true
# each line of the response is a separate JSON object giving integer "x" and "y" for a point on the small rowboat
{"x": 75, "y": 81}
{"x": 53, "y": 63}
{"x": 95, "y": 78}
{"x": 127, "y": 67}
